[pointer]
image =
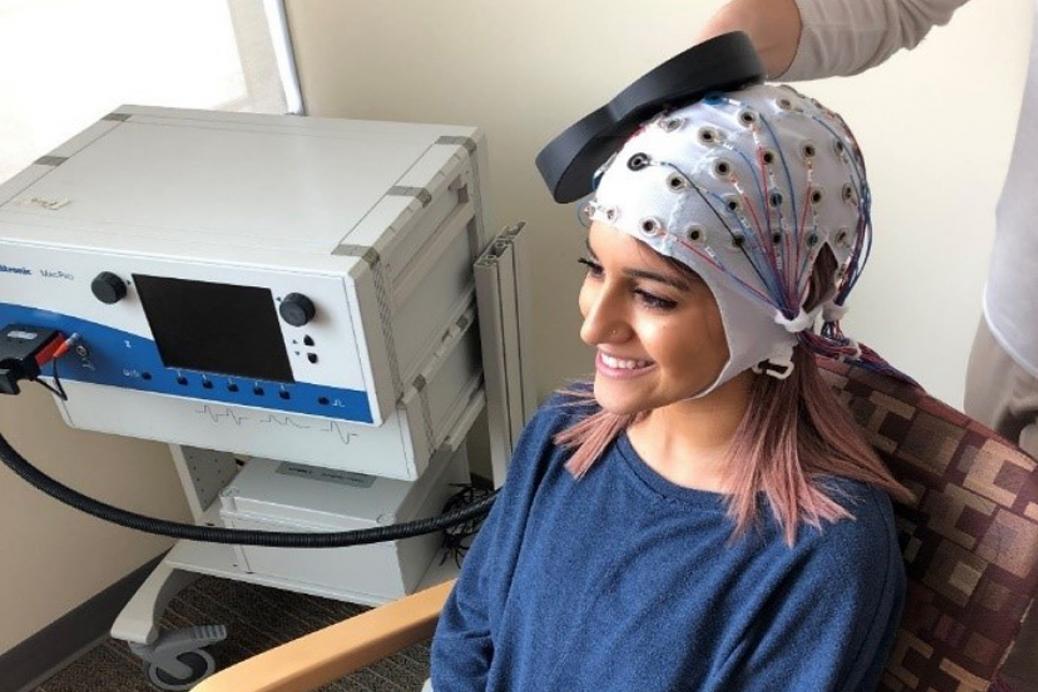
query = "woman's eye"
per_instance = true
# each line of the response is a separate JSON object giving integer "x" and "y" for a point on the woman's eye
{"x": 595, "y": 271}
{"x": 654, "y": 301}
{"x": 593, "y": 268}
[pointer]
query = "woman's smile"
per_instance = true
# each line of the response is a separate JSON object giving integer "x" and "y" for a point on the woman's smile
{"x": 622, "y": 368}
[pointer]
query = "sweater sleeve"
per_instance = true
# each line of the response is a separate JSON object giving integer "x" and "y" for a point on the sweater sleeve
{"x": 463, "y": 645}
{"x": 830, "y": 623}
{"x": 845, "y": 37}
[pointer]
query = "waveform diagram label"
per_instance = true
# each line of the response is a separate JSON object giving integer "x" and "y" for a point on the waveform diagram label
{"x": 224, "y": 415}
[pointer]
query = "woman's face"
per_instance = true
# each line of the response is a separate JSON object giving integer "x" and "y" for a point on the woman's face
{"x": 658, "y": 331}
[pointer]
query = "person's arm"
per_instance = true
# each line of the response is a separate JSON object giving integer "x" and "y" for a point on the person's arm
{"x": 463, "y": 645}
{"x": 772, "y": 25}
{"x": 808, "y": 39}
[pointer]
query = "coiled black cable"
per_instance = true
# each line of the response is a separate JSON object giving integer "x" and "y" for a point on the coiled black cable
{"x": 211, "y": 534}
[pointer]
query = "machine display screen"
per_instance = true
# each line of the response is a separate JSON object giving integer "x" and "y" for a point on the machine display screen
{"x": 218, "y": 328}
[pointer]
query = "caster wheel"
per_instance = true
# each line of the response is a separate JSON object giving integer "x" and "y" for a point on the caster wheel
{"x": 200, "y": 661}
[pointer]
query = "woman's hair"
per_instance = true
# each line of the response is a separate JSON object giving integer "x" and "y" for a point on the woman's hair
{"x": 794, "y": 433}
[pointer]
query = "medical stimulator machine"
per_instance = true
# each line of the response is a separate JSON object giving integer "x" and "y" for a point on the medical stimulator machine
{"x": 291, "y": 303}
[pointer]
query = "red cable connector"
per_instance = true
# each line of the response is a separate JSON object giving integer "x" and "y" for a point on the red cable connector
{"x": 56, "y": 348}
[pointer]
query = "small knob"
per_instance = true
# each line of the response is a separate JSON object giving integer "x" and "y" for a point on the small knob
{"x": 297, "y": 309}
{"x": 108, "y": 288}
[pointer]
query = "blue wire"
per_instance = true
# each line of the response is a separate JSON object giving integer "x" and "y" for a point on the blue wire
{"x": 768, "y": 277}
{"x": 789, "y": 178}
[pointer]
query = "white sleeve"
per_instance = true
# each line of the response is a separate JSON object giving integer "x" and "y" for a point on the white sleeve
{"x": 845, "y": 37}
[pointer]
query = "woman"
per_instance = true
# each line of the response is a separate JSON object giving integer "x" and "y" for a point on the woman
{"x": 705, "y": 515}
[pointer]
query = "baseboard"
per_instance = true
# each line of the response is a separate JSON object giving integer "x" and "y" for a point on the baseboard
{"x": 37, "y": 658}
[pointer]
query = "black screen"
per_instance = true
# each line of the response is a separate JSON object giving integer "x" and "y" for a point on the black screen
{"x": 219, "y": 328}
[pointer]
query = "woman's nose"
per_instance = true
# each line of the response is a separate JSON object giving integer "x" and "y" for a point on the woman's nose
{"x": 604, "y": 320}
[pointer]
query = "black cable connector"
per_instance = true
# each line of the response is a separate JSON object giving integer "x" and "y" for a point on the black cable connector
{"x": 23, "y": 349}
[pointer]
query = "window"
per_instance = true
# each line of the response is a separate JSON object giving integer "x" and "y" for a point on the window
{"x": 66, "y": 63}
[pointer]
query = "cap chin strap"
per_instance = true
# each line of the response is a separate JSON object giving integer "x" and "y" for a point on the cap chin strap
{"x": 779, "y": 371}
{"x": 779, "y": 364}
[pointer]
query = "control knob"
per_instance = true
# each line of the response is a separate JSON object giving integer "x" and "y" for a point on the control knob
{"x": 108, "y": 288}
{"x": 297, "y": 309}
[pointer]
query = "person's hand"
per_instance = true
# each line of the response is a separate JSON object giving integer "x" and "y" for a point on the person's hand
{"x": 772, "y": 25}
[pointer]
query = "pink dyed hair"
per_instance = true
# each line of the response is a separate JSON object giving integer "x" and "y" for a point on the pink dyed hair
{"x": 795, "y": 432}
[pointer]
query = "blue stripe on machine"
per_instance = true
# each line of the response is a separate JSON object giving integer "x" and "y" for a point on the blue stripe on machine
{"x": 139, "y": 367}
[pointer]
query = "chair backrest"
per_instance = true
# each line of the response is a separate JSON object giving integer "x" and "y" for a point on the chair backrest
{"x": 970, "y": 541}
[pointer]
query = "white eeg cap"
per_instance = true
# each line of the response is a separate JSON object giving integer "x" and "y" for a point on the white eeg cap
{"x": 745, "y": 188}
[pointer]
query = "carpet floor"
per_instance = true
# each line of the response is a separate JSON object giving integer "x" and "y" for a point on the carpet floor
{"x": 257, "y": 619}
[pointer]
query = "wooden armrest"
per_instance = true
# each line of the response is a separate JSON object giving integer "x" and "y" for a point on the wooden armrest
{"x": 334, "y": 651}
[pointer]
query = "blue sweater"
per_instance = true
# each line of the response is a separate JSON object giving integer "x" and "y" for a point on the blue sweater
{"x": 625, "y": 581}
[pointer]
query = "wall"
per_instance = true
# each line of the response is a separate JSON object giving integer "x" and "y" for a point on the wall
{"x": 56, "y": 557}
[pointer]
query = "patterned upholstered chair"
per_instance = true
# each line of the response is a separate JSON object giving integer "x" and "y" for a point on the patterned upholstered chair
{"x": 970, "y": 545}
